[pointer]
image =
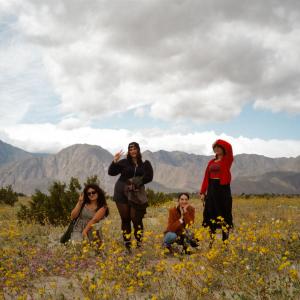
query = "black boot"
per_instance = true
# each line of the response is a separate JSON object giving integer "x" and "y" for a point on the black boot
{"x": 138, "y": 244}
{"x": 225, "y": 235}
{"x": 169, "y": 251}
{"x": 128, "y": 246}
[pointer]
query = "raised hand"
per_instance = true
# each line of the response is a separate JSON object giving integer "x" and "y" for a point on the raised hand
{"x": 118, "y": 156}
{"x": 81, "y": 198}
{"x": 181, "y": 211}
{"x": 185, "y": 208}
{"x": 202, "y": 198}
{"x": 85, "y": 234}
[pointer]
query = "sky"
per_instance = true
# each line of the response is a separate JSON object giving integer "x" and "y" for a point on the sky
{"x": 169, "y": 74}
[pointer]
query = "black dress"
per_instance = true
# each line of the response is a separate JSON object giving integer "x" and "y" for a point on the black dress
{"x": 128, "y": 170}
{"x": 218, "y": 203}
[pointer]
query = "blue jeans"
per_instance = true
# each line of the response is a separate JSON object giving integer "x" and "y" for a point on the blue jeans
{"x": 170, "y": 238}
{"x": 185, "y": 239}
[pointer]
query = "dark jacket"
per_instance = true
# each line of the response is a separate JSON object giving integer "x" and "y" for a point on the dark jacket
{"x": 128, "y": 171}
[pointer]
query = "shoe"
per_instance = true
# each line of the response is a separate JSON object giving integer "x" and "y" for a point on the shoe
{"x": 187, "y": 252}
{"x": 128, "y": 246}
{"x": 194, "y": 243}
{"x": 168, "y": 250}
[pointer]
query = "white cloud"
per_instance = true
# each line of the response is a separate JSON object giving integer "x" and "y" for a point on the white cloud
{"x": 140, "y": 112}
{"x": 51, "y": 138}
{"x": 18, "y": 82}
{"x": 70, "y": 123}
{"x": 184, "y": 59}
{"x": 24, "y": 84}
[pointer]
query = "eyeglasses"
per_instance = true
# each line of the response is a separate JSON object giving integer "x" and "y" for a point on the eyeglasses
{"x": 92, "y": 193}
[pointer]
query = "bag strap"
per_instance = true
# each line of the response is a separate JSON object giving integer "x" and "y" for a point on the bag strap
{"x": 81, "y": 208}
{"x": 134, "y": 171}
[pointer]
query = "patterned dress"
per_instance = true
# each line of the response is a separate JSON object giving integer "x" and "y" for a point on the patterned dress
{"x": 85, "y": 216}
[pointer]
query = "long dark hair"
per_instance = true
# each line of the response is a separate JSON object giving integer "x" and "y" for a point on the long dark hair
{"x": 101, "y": 200}
{"x": 138, "y": 157}
{"x": 185, "y": 194}
{"x": 179, "y": 196}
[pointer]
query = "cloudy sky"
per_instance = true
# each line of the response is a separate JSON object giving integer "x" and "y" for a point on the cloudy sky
{"x": 170, "y": 74}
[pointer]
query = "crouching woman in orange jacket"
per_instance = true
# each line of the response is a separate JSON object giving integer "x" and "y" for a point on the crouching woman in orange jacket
{"x": 181, "y": 217}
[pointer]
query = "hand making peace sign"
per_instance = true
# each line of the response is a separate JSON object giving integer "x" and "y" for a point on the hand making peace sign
{"x": 118, "y": 155}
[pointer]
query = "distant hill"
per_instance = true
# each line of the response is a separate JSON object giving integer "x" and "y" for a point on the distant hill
{"x": 79, "y": 161}
{"x": 173, "y": 171}
{"x": 271, "y": 182}
{"x": 9, "y": 153}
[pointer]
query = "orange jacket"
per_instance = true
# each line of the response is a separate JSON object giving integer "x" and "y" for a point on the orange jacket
{"x": 225, "y": 163}
{"x": 174, "y": 224}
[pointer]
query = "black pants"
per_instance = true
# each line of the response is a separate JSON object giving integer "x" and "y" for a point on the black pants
{"x": 128, "y": 214}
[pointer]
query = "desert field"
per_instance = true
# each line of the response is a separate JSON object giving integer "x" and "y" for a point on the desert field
{"x": 260, "y": 261}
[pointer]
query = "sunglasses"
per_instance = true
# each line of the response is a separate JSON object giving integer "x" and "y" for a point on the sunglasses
{"x": 92, "y": 193}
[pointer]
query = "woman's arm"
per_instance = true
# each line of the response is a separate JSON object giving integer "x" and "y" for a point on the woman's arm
{"x": 228, "y": 157}
{"x": 114, "y": 169}
{"x": 204, "y": 185}
{"x": 174, "y": 223}
{"x": 189, "y": 216}
{"x": 76, "y": 210}
{"x": 97, "y": 217}
{"x": 148, "y": 176}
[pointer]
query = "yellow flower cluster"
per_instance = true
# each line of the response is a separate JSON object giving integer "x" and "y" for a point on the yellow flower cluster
{"x": 260, "y": 259}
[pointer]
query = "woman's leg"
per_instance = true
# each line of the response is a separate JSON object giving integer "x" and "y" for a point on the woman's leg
{"x": 169, "y": 239}
{"x": 124, "y": 211}
{"x": 137, "y": 216}
{"x": 227, "y": 212}
{"x": 212, "y": 231}
{"x": 96, "y": 234}
{"x": 209, "y": 212}
{"x": 225, "y": 235}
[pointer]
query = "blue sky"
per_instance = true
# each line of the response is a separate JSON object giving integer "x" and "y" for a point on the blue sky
{"x": 174, "y": 81}
{"x": 250, "y": 122}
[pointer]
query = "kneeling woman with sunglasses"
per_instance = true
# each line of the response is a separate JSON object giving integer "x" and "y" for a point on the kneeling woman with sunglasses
{"x": 89, "y": 210}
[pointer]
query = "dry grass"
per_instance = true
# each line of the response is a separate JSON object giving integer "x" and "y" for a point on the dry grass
{"x": 261, "y": 260}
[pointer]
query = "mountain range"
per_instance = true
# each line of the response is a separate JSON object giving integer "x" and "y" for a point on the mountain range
{"x": 173, "y": 171}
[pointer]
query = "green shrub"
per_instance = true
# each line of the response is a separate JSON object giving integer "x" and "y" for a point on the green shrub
{"x": 92, "y": 180}
{"x": 21, "y": 195}
{"x": 54, "y": 208}
{"x": 157, "y": 198}
{"x": 8, "y": 196}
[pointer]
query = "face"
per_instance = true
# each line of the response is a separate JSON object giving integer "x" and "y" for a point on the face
{"x": 218, "y": 151}
{"x": 183, "y": 200}
{"x": 92, "y": 194}
{"x": 133, "y": 151}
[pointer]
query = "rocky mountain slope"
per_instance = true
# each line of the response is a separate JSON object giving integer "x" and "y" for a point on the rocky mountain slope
{"x": 174, "y": 171}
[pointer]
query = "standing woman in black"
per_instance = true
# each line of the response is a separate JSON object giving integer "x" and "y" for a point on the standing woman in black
{"x": 215, "y": 190}
{"x": 129, "y": 168}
